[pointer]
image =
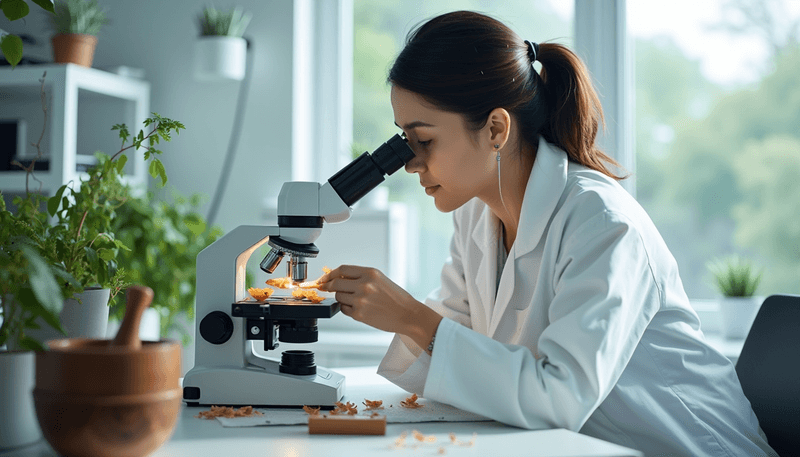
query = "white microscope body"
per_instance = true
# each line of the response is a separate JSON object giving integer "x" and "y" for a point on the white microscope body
{"x": 227, "y": 369}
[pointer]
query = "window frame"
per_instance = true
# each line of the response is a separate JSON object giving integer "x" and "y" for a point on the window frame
{"x": 601, "y": 31}
{"x": 322, "y": 92}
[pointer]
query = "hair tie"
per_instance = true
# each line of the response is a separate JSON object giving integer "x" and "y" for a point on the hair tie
{"x": 533, "y": 50}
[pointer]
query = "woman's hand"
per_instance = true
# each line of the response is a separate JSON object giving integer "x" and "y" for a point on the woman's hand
{"x": 368, "y": 296}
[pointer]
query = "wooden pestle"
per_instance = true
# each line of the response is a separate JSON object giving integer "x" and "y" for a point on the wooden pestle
{"x": 138, "y": 299}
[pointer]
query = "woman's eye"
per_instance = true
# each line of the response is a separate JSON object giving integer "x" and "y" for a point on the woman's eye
{"x": 424, "y": 143}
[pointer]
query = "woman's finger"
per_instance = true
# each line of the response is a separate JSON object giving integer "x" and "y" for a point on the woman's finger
{"x": 343, "y": 271}
{"x": 338, "y": 285}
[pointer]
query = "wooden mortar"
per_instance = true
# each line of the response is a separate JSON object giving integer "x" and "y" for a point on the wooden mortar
{"x": 117, "y": 397}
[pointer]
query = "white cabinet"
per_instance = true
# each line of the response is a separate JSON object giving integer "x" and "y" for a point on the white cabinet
{"x": 82, "y": 106}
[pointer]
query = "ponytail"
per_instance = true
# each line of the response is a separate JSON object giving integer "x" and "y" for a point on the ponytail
{"x": 575, "y": 113}
{"x": 468, "y": 63}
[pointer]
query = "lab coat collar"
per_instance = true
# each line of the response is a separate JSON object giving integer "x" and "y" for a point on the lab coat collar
{"x": 545, "y": 187}
{"x": 485, "y": 236}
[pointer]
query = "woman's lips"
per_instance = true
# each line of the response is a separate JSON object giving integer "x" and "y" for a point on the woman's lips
{"x": 430, "y": 190}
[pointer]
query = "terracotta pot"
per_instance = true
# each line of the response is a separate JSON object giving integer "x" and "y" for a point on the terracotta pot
{"x": 74, "y": 48}
{"x": 108, "y": 398}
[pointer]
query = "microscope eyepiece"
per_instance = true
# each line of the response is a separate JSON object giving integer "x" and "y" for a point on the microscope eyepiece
{"x": 365, "y": 172}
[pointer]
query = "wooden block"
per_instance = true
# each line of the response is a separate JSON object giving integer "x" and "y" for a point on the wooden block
{"x": 346, "y": 425}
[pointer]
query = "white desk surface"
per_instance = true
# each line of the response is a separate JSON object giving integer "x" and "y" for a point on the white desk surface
{"x": 198, "y": 437}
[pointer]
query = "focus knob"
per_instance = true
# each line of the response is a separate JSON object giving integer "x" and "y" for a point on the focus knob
{"x": 216, "y": 327}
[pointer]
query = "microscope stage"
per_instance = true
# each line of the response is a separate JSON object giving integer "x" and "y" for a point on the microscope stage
{"x": 286, "y": 308}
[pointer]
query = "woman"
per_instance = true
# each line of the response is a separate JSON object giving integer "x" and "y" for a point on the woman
{"x": 560, "y": 305}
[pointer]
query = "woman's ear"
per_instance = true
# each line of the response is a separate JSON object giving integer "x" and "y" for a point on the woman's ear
{"x": 498, "y": 127}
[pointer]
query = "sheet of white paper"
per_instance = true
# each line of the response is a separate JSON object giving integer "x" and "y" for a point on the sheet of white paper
{"x": 391, "y": 396}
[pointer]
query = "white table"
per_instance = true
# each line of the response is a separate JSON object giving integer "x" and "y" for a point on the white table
{"x": 197, "y": 437}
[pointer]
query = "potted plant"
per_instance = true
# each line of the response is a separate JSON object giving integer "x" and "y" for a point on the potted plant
{"x": 221, "y": 51}
{"x": 155, "y": 231}
{"x": 56, "y": 248}
{"x": 10, "y": 44}
{"x": 76, "y": 24}
{"x": 737, "y": 280}
{"x": 29, "y": 292}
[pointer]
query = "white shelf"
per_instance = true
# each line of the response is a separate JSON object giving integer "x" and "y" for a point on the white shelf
{"x": 83, "y": 104}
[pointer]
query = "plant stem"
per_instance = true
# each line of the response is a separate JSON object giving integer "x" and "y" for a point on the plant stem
{"x": 80, "y": 227}
{"x": 134, "y": 143}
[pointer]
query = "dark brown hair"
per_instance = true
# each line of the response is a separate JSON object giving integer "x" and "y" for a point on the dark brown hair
{"x": 469, "y": 63}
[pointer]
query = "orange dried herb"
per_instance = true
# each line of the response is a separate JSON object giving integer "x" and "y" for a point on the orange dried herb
{"x": 372, "y": 405}
{"x": 260, "y": 294}
{"x": 411, "y": 402}
{"x": 423, "y": 438}
{"x": 342, "y": 408}
{"x": 308, "y": 294}
{"x": 228, "y": 412}
{"x": 310, "y": 410}
{"x": 315, "y": 283}
{"x": 280, "y": 283}
{"x": 458, "y": 442}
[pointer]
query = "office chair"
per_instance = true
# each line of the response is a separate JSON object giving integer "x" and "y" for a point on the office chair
{"x": 769, "y": 371}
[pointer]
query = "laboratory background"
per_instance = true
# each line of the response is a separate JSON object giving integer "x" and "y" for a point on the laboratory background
{"x": 702, "y": 106}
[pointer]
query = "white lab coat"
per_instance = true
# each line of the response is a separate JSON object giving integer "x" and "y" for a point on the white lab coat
{"x": 590, "y": 330}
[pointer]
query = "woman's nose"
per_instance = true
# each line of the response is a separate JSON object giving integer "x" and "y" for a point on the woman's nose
{"x": 415, "y": 165}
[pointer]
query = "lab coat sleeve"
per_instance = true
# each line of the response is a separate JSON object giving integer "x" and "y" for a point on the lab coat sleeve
{"x": 604, "y": 297}
{"x": 406, "y": 364}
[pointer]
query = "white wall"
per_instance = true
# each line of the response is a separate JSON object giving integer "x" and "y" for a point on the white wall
{"x": 158, "y": 36}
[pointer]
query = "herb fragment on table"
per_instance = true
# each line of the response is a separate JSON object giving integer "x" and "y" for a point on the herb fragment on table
{"x": 458, "y": 442}
{"x": 423, "y": 438}
{"x": 372, "y": 405}
{"x": 345, "y": 408}
{"x": 411, "y": 402}
{"x": 228, "y": 412}
{"x": 311, "y": 410}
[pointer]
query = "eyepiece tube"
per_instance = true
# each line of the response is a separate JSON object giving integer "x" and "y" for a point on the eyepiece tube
{"x": 365, "y": 172}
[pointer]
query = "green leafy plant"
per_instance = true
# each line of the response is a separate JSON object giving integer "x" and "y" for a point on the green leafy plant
{"x": 10, "y": 44}
{"x": 29, "y": 284}
{"x": 70, "y": 235}
{"x": 78, "y": 16}
{"x": 164, "y": 240}
{"x": 735, "y": 276}
{"x": 214, "y": 22}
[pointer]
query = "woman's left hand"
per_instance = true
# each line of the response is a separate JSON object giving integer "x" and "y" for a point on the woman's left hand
{"x": 368, "y": 296}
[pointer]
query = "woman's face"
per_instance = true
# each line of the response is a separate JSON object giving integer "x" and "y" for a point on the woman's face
{"x": 454, "y": 164}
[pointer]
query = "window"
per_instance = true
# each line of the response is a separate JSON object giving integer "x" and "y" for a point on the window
{"x": 718, "y": 144}
{"x": 380, "y": 30}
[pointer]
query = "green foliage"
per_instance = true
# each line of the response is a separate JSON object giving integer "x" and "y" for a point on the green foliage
{"x": 767, "y": 217}
{"x": 728, "y": 181}
{"x": 73, "y": 239}
{"x": 11, "y": 45}
{"x": 734, "y": 276}
{"x": 78, "y": 16}
{"x": 29, "y": 284}
{"x": 214, "y": 22}
{"x": 164, "y": 241}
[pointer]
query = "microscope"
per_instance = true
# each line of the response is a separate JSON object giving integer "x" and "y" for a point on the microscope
{"x": 227, "y": 369}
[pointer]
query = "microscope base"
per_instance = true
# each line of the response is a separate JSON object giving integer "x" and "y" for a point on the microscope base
{"x": 261, "y": 386}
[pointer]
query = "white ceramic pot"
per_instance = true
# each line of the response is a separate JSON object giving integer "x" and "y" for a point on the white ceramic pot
{"x": 738, "y": 314}
{"x": 85, "y": 319}
{"x": 149, "y": 327}
{"x": 220, "y": 58}
{"x": 18, "y": 424}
